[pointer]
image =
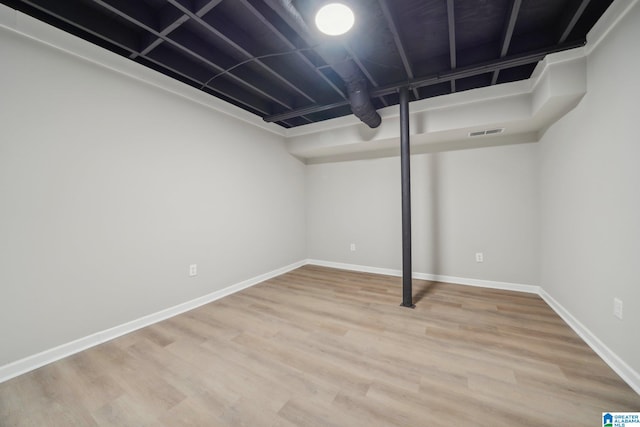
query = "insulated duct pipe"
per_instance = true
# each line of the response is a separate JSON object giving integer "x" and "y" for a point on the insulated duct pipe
{"x": 337, "y": 59}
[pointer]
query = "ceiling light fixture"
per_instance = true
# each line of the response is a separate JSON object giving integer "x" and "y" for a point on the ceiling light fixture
{"x": 334, "y": 19}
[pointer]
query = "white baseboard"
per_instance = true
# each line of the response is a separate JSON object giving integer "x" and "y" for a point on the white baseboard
{"x": 355, "y": 267}
{"x": 435, "y": 277}
{"x": 30, "y": 363}
{"x": 626, "y": 372}
{"x": 19, "y": 367}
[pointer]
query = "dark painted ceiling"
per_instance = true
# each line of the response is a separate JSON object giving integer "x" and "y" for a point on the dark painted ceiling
{"x": 249, "y": 53}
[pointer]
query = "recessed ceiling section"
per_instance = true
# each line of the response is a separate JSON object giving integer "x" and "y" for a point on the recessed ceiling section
{"x": 252, "y": 54}
{"x": 511, "y": 113}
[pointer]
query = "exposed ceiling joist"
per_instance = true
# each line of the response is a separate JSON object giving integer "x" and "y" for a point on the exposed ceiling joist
{"x": 175, "y": 24}
{"x": 571, "y": 18}
{"x": 203, "y": 8}
{"x": 398, "y": 41}
{"x": 291, "y": 46}
{"x": 459, "y": 73}
{"x": 241, "y": 50}
{"x": 507, "y": 34}
{"x": 452, "y": 39}
{"x": 158, "y": 41}
{"x": 482, "y": 68}
{"x": 197, "y": 17}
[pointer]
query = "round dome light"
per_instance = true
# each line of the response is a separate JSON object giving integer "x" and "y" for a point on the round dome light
{"x": 334, "y": 19}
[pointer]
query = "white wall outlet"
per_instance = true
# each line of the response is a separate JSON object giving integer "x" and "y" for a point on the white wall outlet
{"x": 617, "y": 308}
{"x": 193, "y": 270}
{"x": 352, "y": 247}
{"x": 479, "y": 257}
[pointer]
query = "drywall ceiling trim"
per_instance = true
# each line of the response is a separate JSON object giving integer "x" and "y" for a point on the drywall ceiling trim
{"x": 525, "y": 107}
{"x": 608, "y": 21}
{"x": 438, "y": 147}
{"x": 556, "y": 86}
{"x": 451, "y": 100}
{"x": 34, "y": 29}
{"x": 8, "y": 17}
{"x": 446, "y": 101}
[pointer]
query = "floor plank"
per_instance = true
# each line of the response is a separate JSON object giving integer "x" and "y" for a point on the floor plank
{"x": 325, "y": 347}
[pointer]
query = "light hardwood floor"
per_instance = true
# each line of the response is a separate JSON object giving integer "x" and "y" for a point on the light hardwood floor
{"x": 324, "y": 347}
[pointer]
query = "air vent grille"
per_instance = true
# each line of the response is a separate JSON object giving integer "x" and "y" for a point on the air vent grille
{"x": 486, "y": 132}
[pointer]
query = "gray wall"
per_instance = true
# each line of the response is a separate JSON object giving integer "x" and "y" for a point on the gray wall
{"x": 481, "y": 200}
{"x": 563, "y": 214}
{"x": 590, "y": 204}
{"x": 110, "y": 188}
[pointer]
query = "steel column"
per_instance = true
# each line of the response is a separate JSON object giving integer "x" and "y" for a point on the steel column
{"x": 405, "y": 162}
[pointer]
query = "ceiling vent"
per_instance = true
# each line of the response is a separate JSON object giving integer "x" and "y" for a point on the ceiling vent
{"x": 486, "y": 132}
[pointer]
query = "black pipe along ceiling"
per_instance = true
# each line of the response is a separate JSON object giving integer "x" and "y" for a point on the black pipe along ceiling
{"x": 253, "y": 54}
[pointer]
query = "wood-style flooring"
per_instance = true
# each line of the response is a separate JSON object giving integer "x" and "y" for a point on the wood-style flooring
{"x": 324, "y": 347}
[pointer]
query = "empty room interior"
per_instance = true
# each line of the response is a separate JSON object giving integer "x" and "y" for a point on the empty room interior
{"x": 236, "y": 213}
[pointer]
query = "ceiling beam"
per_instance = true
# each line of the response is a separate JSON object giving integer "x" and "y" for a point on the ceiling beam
{"x": 398, "y": 41}
{"x": 245, "y": 53}
{"x": 204, "y": 8}
{"x": 165, "y": 32}
{"x": 447, "y": 76}
{"x": 191, "y": 53}
{"x": 484, "y": 67}
{"x": 571, "y": 18}
{"x": 452, "y": 39}
{"x": 139, "y": 11}
{"x": 507, "y": 34}
{"x": 304, "y": 111}
{"x": 291, "y": 46}
{"x": 201, "y": 7}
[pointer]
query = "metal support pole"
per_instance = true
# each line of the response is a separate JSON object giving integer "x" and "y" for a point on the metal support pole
{"x": 405, "y": 163}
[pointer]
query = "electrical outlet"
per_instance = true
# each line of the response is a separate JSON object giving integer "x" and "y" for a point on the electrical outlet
{"x": 617, "y": 308}
{"x": 353, "y": 247}
{"x": 193, "y": 270}
{"x": 479, "y": 257}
